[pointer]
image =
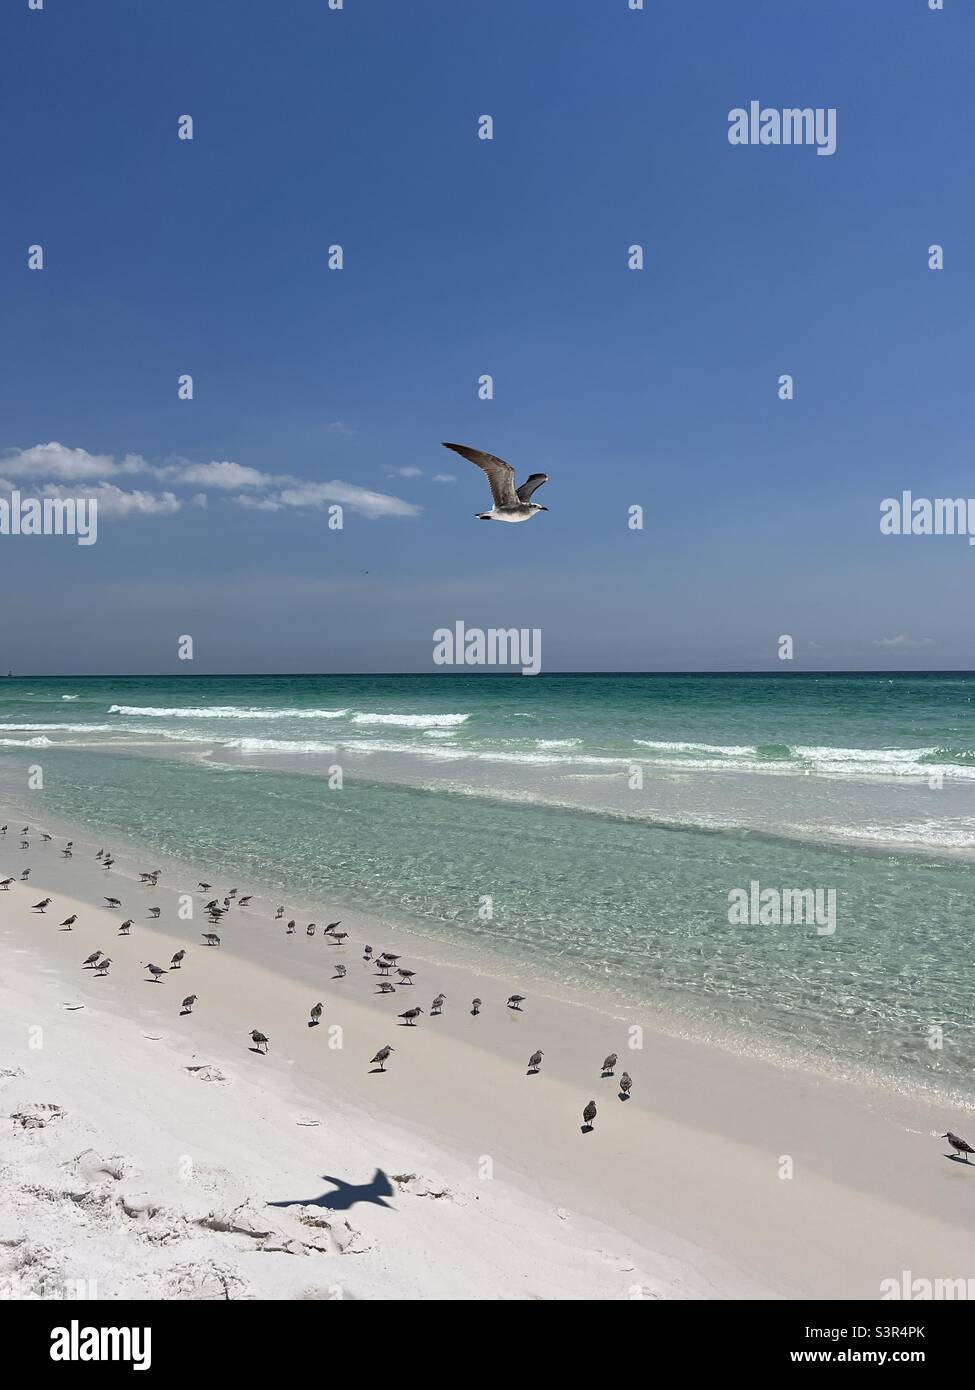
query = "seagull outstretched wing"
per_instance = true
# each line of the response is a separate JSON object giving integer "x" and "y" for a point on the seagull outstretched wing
{"x": 531, "y": 484}
{"x": 501, "y": 475}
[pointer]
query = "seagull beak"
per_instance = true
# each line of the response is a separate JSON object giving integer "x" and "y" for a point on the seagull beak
{"x": 545, "y": 509}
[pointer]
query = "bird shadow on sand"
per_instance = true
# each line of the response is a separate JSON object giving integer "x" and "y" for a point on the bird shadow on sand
{"x": 623, "y": 1095}
{"x": 586, "y": 1129}
{"x": 347, "y": 1194}
{"x": 957, "y": 1158}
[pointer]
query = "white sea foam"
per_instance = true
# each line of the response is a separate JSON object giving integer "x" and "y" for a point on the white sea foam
{"x": 25, "y": 743}
{"x": 224, "y": 712}
{"x": 412, "y": 721}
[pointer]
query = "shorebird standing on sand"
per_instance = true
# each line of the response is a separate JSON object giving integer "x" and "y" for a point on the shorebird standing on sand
{"x": 411, "y": 1015}
{"x": 626, "y": 1084}
{"x": 515, "y": 1001}
{"x": 405, "y": 976}
{"x": 43, "y": 905}
{"x": 156, "y": 971}
{"x": 510, "y": 503}
{"x": 124, "y": 928}
{"x": 386, "y": 988}
{"x": 961, "y": 1146}
{"x": 102, "y": 967}
{"x": 340, "y": 973}
{"x": 475, "y": 1007}
{"x": 70, "y": 921}
{"x": 437, "y": 1006}
{"x": 25, "y": 876}
{"x": 381, "y": 1056}
{"x": 187, "y": 1005}
{"x": 114, "y": 902}
{"x": 589, "y": 1114}
{"x": 154, "y": 913}
{"x": 279, "y": 914}
{"x": 90, "y": 960}
{"x": 316, "y": 1013}
{"x": 259, "y": 1040}
{"x": 535, "y": 1061}
{"x": 177, "y": 961}
{"x": 211, "y": 938}
{"x": 609, "y": 1064}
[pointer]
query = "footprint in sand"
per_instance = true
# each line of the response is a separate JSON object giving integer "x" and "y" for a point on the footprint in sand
{"x": 37, "y": 1116}
{"x": 206, "y": 1072}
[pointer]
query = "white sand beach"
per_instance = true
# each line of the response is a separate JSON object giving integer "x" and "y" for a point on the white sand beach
{"x": 149, "y": 1154}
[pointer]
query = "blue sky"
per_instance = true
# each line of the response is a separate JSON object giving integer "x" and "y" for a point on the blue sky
{"x": 463, "y": 257}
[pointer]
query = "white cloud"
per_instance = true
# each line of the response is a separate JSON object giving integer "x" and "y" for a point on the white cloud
{"x": 224, "y": 475}
{"x": 258, "y": 504}
{"x": 56, "y": 467}
{"x": 404, "y": 472}
{"x": 115, "y": 502}
{"x": 902, "y": 640}
{"x": 357, "y": 499}
{"x": 55, "y": 460}
{"x": 444, "y": 478}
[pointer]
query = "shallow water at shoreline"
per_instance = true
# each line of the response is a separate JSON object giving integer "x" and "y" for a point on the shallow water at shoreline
{"x": 634, "y": 912}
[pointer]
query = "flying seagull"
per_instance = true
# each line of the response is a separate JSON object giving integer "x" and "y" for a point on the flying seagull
{"x": 510, "y": 503}
{"x": 959, "y": 1145}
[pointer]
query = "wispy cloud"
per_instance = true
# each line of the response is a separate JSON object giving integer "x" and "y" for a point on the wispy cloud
{"x": 226, "y": 475}
{"x": 903, "y": 640}
{"x": 55, "y": 460}
{"x": 112, "y": 501}
{"x": 357, "y": 499}
{"x": 55, "y": 466}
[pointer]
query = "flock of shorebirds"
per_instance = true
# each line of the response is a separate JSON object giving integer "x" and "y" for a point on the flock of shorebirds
{"x": 386, "y": 964}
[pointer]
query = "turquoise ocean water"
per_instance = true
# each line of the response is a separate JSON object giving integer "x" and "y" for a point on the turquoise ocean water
{"x": 607, "y": 817}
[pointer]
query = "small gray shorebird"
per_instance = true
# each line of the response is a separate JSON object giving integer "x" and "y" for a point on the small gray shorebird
{"x": 316, "y": 1013}
{"x": 535, "y": 1061}
{"x": 156, "y": 971}
{"x": 589, "y": 1114}
{"x": 411, "y": 1016}
{"x": 609, "y": 1064}
{"x": 961, "y": 1146}
{"x": 626, "y": 1084}
{"x": 259, "y": 1040}
{"x": 381, "y": 1056}
{"x": 187, "y": 1005}
{"x": 510, "y": 503}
